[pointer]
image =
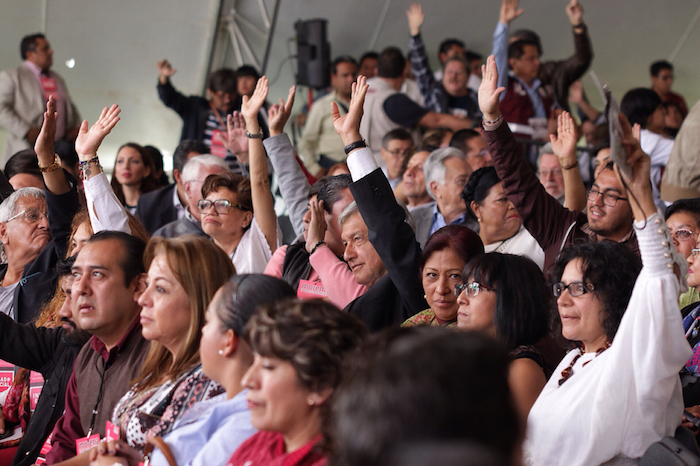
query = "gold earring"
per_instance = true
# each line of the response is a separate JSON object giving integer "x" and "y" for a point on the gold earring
{"x": 311, "y": 402}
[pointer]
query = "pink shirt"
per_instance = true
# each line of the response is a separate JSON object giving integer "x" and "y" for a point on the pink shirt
{"x": 343, "y": 288}
{"x": 59, "y": 96}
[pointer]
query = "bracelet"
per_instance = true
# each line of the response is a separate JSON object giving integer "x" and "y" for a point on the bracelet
{"x": 355, "y": 145}
{"x": 54, "y": 166}
{"x": 254, "y": 135}
{"x": 491, "y": 125}
{"x": 316, "y": 246}
{"x": 569, "y": 167}
{"x": 85, "y": 167}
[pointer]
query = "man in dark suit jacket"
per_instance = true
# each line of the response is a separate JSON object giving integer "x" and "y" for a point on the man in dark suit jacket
{"x": 163, "y": 206}
{"x": 381, "y": 247}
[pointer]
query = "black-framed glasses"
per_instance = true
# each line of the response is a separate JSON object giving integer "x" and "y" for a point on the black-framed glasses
{"x": 472, "y": 288}
{"x": 30, "y": 216}
{"x": 221, "y": 206}
{"x": 575, "y": 288}
{"x": 609, "y": 199}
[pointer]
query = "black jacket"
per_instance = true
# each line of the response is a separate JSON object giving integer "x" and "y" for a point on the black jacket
{"x": 40, "y": 278}
{"x": 41, "y": 350}
{"x": 399, "y": 294}
{"x": 156, "y": 209}
{"x": 193, "y": 110}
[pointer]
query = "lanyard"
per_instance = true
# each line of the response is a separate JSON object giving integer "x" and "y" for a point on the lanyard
{"x": 105, "y": 366}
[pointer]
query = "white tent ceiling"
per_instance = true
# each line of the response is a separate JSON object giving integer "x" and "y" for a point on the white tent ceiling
{"x": 116, "y": 43}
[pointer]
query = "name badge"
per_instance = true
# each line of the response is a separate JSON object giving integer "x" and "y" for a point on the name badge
{"x": 310, "y": 290}
{"x": 217, "y": 145}
{"x": 111, "y": 431}
{"x": 85, "y": 443}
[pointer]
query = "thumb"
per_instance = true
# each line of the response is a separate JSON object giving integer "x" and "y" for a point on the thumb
{"x": 553, "y": 138}
{"x": 335, "y": 113}
{"x": 83, "y": 127}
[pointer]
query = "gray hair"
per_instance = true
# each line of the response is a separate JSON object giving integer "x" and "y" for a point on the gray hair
{"x": 546, "y": 149}
{"x": 434, "y": 166}
{"x": 352, "y": 209}
{"x": 9, "y": 205}
{"x": 192, "y": 167}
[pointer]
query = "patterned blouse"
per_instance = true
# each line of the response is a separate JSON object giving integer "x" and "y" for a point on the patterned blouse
{"x": 426, "y": 317}
{"x": 154, "y": 411}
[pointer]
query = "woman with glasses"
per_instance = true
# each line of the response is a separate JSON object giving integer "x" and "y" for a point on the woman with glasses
{"x": 506, "y": 296}
{"x": 683, "y": 221}
{"x": 500, "y": 226}
{"x": 618, "y": 390}
{"x": 229, "y": 200}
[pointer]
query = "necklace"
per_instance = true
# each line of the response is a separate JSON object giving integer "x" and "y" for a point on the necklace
{"x": 569, "y": 371}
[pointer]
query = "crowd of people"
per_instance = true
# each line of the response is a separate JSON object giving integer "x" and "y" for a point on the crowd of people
{"x": 474, "y": 266}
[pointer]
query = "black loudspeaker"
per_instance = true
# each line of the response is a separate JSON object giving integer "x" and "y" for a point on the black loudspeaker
{"x": 313, "y": 53}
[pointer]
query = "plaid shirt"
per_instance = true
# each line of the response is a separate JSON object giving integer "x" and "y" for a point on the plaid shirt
{"x": 434, "y": 94}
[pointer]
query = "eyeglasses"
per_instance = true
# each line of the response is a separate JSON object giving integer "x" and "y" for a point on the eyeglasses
{"x": 554, "y": 172}
{"x": 609, "y": 199}
{"x": 683, "y": 234}
{"x": 694, "y": 252}
{"x": 575, "y": 288}
{"x": 472, "y": 288}
{"x": 400, "y": 152}
{"x": 221, "y": 206}
{"x": 30, "y": 216}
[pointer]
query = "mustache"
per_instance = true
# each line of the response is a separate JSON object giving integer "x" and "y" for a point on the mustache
{"x": 66, "y": 320}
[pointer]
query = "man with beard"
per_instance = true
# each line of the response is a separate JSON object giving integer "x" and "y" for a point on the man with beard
{"x": 51, "y": 352}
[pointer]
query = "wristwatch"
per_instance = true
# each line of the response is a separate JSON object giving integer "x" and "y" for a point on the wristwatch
{"x": 54, "y": 166}
{"x": 355, "y": 145}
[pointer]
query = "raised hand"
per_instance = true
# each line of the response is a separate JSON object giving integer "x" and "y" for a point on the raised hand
{"x": 44, "y": 142}
{"x": 317, "y": 225}
{"x": 415, "y": 18}
{"x": 88, "y": 141}
{"x": 235, "y": 141}
{"x": 489, "y": 93}
{"x": 165, "y": 71}
{"x": 348, "y": 125}
{"x": 252, "y": 105}
{"x": 509, "y": 11}
{"x": 279, "y": 113}
{"x": 564, "y": 143}
{"x": 574, "y": 11}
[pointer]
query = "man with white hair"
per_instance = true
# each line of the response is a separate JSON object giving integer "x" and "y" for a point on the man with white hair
{"x": 31, "y": 244}
{"x": 550, "y": 174}
{"x": 193, "y": 175}
{"x": 446, "y": 172}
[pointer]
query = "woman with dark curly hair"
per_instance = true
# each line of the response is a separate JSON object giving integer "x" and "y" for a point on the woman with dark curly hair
{"x": 500, "y": 226}
{"x": 506, "y": 296}
{"x": 299, "y": 347}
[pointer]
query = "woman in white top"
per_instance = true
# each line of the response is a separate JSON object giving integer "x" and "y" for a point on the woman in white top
{"x": 500, "y": 226}
{"x": 229, "y": 200}
{"x": 619, "y": 391}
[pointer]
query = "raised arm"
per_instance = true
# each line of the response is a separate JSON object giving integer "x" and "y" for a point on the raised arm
{"x": 391, "y": 236}
{"x": 54, "y": 177}
{"x": 263, "y": 203}
{"x": 419, "y": 59}
{"x": 104, "y": 208}
{"x": 542, "y": 215}
{"x": 509, "y": 11}
{"x": 293, "y": 184}
{"x": 564, "y": 147}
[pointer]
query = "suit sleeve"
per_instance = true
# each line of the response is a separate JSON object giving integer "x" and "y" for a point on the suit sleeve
{"x": 174, "y": 99}
{"x": 391, "y": 236}
{"x": 61, "y": 209}
{"x": 293, "y": 183}
{"x": 9, "y": 119}
{"x": 26, "y": 345}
